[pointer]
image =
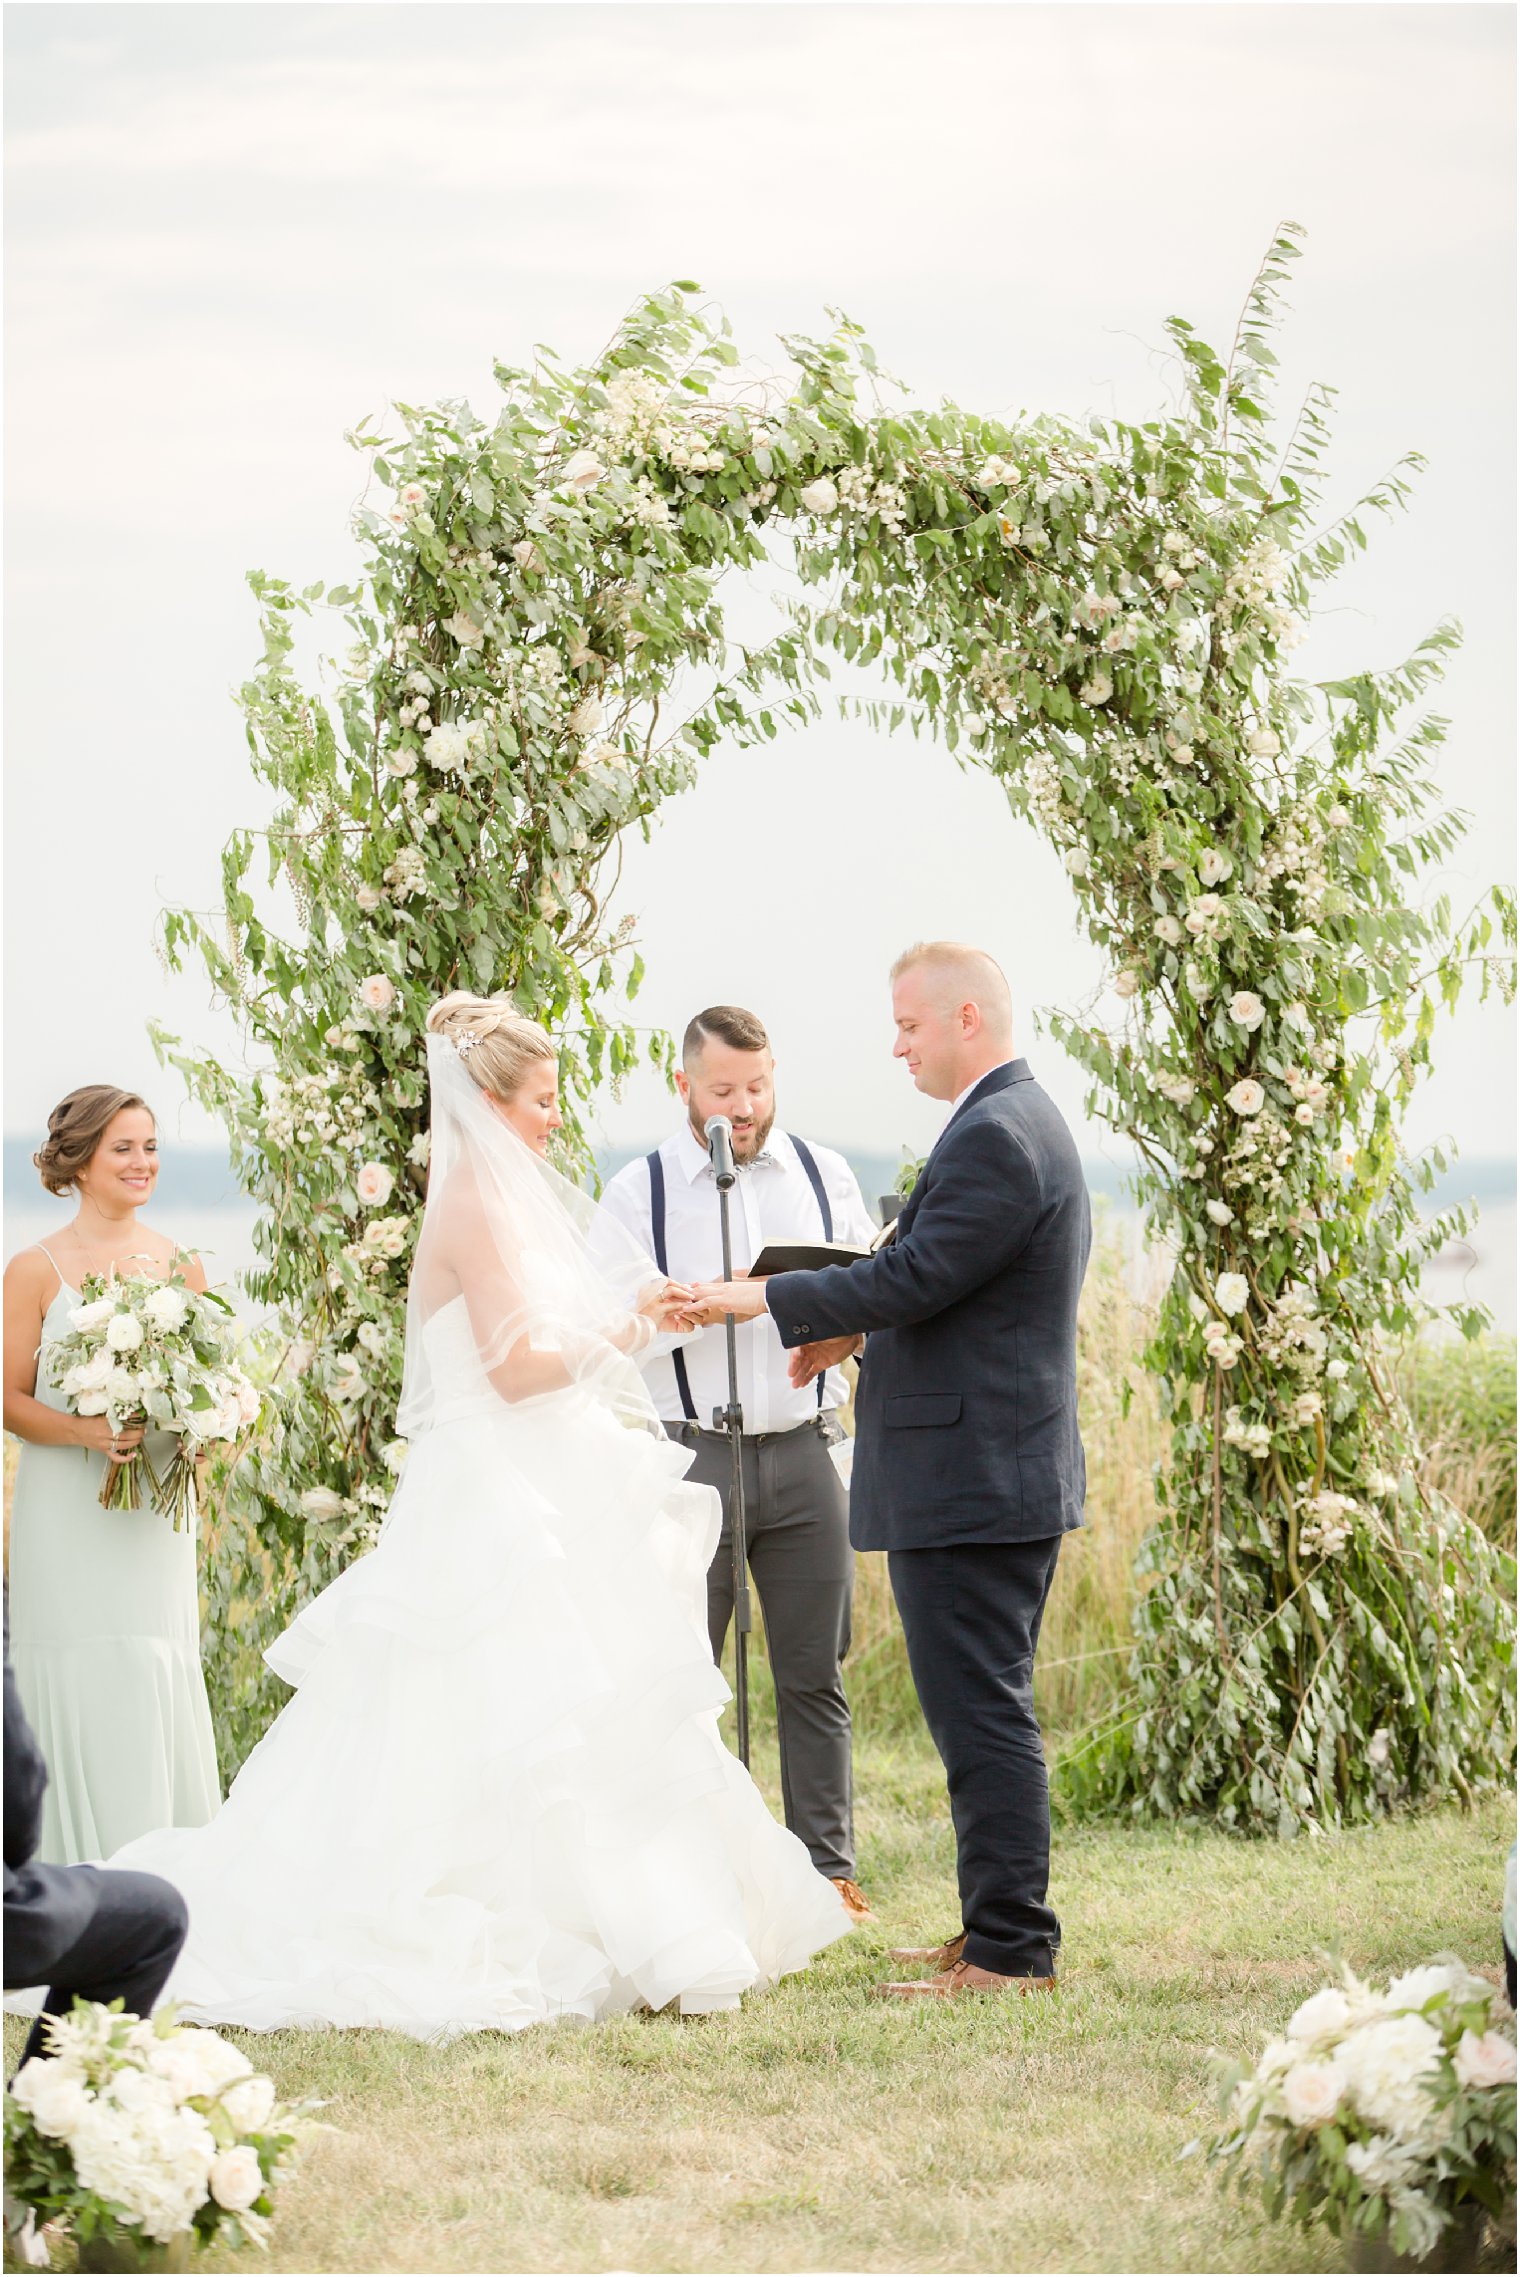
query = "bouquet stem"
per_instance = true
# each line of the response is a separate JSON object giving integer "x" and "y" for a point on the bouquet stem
{"x": 177, "y": 1488}
{"x": 122, "y": 1488}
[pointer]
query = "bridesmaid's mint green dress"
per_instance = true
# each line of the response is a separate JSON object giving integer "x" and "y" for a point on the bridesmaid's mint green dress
{"x": 105, "y": 1642}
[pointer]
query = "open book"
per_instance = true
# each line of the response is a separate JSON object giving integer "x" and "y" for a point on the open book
{"x": 812, "y": 1256}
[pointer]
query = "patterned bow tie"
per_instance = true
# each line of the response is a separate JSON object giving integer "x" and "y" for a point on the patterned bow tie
{"x": 764, "y": 1160}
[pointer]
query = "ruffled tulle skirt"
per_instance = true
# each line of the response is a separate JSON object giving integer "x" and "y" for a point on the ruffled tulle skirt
{"x": 499, "y": 1795}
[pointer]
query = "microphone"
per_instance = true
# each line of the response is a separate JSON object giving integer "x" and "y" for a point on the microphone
{"x": 720, "y": 1146}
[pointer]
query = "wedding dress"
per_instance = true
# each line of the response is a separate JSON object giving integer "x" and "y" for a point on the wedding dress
{"x": 499, "y": 1795}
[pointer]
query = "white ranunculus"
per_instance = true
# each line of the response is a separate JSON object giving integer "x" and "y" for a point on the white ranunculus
{"x": 1322, "y": 2016}
{"x": 321, "y": 1503}
{"x": 92, "y": 1316}
{"x": 236, "y": 2178}
{"x": 1078, "y": 862}
{"x": 248, "y": 2103}
{"x": 1311, "y": 2093}
{"x": 167, "y": 1308}
{"x": 1246, "y": 1097}
{"x": 820, "y": 497}
{"x": 1246, "y": 1009}
{"x": 1488, "y": 2061}
{"x": 1168, "y": 930}
{"x": 1220, "y": 1212}
{"x": 1214, "y": 866}
{"x": 377, "y": 994}
{"x": 373, "y": 1185}
{"x": 124, "y": 1332}
{"x": 464, "y": 629}
{"x": 583, "y": 470}
{"x": 1232, "y": 1293}
{"x": 49, "y": 2090}
{"x": 1126, "y": 983}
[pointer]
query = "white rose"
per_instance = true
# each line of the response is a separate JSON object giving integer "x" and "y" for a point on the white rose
{"x": 1418, "y": 1986}
{"x": 1078, "y": 862}
{"x": 1485, "y": 2062}
{"x": 248, "y": 2103}
{"x": 1220, "y": 1212}
{"x": 448, "y": 749}
{"x": 369, "y": 898}
{"x": 583, "y": 470}
{"x": 320, "y": 1502}
{"x": 412, "y": 497}
{"x": 1311, "y": 2093}
{"x": 92, "y": 1316}
{"x": 1232, "y": 1292}
{"x": 588, "y": 716}
{"x": 1337, "y": 818}
{"x": 195, "y": 2061}
{"x": 1126, "y": 983}
{"x": 402, "y": 762}
{"x": 124, "y": 1332}
{"x": 349, "y": 1381}
{"x": 377, "y": 994}
{"x": 1098, "y": 689}
{"x": 1246, "y": 1010}
{"x": 55, "y": 2098}
{"x": 167, "y": 1308}
{"x": 373, "y": 1185}
{"x": 1304, "y": 1113}
{"x": 464, "y": 629}
{"x": 820, "y": 497}
{"x": 1263, "y": 744}
{"x": 1214, "y": 866}
{"x": 236, "y": 2179}
{"x": 247, "y": 1396}
{"x": 1168, "y": 930}
{"x": 1321, "y": 2016}
{"x": 393, "y": 1455}
{"x": 1246, "y": 1097}
{"x": 91, "y": 1403}
{"x": 1304, "y": 1410}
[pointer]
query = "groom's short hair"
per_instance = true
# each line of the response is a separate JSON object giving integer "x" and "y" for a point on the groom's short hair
{"x": 731, "y": 1025}
{"x": 958, "y": 971}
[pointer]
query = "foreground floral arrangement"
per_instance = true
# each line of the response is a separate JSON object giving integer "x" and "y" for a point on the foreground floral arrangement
{"x": 138, "y": 2133}
{"x": 142, "y": 1351}
{"x": 1102, "y": 615}
{"x": 1381, "y": 2112}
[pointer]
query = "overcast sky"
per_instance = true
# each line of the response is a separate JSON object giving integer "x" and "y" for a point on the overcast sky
{"x": 232, "y": 230}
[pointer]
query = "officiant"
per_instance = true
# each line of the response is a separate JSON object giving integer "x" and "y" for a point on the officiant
{"x": 796, "y": 1514}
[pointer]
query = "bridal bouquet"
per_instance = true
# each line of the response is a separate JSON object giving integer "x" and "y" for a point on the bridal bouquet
{"x": 144, "y": 1351}
{"x": 1389, "y": 2116}
{"x": 147, "y": 2138}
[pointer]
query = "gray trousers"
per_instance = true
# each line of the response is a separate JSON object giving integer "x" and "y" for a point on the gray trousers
{"x": 796, "y": 1519}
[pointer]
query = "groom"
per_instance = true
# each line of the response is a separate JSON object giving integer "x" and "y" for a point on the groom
{"x": 968, "y": 1464}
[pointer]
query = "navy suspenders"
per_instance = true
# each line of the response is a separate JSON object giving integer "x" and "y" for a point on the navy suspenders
{"x": 656, "y": 1170}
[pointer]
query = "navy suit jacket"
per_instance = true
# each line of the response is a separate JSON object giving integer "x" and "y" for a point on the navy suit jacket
{"x": 47, "y": 1908}
{"x": 966, "y": 1412}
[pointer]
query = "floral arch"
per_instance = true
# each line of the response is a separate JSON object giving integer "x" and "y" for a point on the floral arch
{"x": 1102, "y": 617}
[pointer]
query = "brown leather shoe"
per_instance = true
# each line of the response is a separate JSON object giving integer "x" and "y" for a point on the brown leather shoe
{"x": 962, "y": 1978}
{"x": 856, "y": 1904}
{"x": 938, "y": 1956}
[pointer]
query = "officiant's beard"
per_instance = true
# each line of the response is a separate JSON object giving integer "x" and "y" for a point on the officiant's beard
{"x": 747, "y": 1144}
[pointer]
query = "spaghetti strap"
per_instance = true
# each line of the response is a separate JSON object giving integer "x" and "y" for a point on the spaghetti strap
{"x": 57, "y": 1268}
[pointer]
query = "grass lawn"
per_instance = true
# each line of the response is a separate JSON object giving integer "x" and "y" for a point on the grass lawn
{"x": 821, "y": 2130}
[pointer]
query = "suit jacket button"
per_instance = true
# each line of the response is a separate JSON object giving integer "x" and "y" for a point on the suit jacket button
{"x": 804, "y": 1328}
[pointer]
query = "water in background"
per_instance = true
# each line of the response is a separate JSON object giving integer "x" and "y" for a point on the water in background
{"x": 198, "y": 1204}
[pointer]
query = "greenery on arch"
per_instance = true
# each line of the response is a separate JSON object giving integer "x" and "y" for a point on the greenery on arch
{"x": 1102, "y": 616}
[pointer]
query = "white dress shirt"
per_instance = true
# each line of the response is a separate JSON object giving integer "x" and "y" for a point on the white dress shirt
{"x": 772, "y": 1200}
{"x": 960, "y": 1102}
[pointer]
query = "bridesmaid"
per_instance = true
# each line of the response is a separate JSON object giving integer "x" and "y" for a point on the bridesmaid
{"x": 105, "y": 1625}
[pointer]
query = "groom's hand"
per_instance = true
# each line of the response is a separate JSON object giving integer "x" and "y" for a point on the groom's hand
{"x": 810, "y": 1360}
{"x": 711, "y": 1300}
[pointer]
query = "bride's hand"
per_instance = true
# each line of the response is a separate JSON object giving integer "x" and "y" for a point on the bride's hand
{"x": 667, "y": 1305}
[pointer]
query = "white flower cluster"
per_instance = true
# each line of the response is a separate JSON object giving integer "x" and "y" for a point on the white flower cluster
{"x": 1253, "y": 1438}
{"x": 1252, "y": 585}
{"x": 407, "y": 874}
{"x": 156, "y": 1349}
{"x": 1327, "y": 1524}
{"x": 1221, "y": 1343}
{"x": 155, "y": 2119}
{"x": 1292, "y": 1335}
{"x": 859, "y": 495}
{"x": 455, "y": 746}
{"x": 1383, "y": 2069}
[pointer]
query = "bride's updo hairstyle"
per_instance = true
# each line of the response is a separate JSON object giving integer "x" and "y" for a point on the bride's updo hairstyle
{"x": 75, "y": 1129}
{"x": 495, "y": 1042}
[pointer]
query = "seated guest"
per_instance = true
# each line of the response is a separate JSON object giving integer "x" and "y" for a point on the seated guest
{"x": 79, "y": 1931}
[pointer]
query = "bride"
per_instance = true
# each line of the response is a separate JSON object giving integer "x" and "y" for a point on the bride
{"x": 499, "y": 1795}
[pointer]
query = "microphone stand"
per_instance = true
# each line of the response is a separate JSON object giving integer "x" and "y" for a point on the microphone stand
{"x": 731, "y": 1420}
